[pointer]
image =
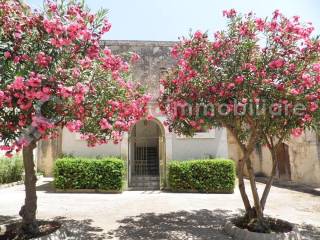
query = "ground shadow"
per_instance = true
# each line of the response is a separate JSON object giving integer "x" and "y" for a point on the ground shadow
{"x": 309, "y": 232}
{"x": 7, "y": 219}
{"x": 70, "y": 229}
{"x": 201, "y": 224}
{"x": 77, "y": 230}
{"x": 291, "y": 186}
{"x": 46, "y": 186}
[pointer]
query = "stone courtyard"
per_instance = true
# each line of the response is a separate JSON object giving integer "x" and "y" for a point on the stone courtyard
{"x": 156, "y": 214}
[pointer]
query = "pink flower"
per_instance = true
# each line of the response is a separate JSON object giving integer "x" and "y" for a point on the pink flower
{"x": 17, "y": 35}
{"x": 74, "y": 125}
{"x": 106, "y": 26}
{"x": 79, "y": 98}
{"x": 193, "y": 124}
{"x": 134, "y": 58}
{"x": 175, "y": 52}
{"x": 276, "y": 13}
{"x": 8, "y": 154}
{"x": 294, "y": 91}
{"x": 41, "y": 124}
{"x": 313, "y": 106}
{"x": 316, "y": 67}
{"x": 256, "y": 100}
{"x": 188, "y": 52}
{"x": 5, "y": 148}
{"x": 198, "y": 34}
{"x": 85, "y": 63}
{"x": 231, "y": 86}
{"x": 276, "y": 63}
{"x": 18, "y": 83}
{"x": 260, "y": 24}
{"x": 7, "y": 54}
{"x": 296, "y": 132}
{"x": 104, "y": 124}
{"x": 107, "y": 51}
{"x": 1, "y": 95}
{"x": 43, "y": 60}
{"x": 75, "y": 72}
{"x": 53, "y": 7}
{"x": 250, "y": 66}
{"x": 150, "y": 117}
{"x": 229, "y": 13}
{"x": 307, "y": 118}
{"x": 239, "y": 80}
{"x": 16, "y": 59}
{"x": 34, "y": 80}
{"x": 119, "y": 124}
{"x": 66, "y": 91}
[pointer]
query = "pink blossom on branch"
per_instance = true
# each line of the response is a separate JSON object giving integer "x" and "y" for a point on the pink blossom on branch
{"x": 66, "y": 76}
{"x": 277, "y": 58}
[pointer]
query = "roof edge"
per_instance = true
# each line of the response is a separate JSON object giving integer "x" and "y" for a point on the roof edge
{"x": 139, "y": 43}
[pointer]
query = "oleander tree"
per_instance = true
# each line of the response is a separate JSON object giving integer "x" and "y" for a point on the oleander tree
{"x": 258, "y": 78}
{"x": 54, "y": 74}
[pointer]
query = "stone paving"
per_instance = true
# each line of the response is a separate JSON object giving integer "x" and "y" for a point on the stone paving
{"x": 156, "y": 214}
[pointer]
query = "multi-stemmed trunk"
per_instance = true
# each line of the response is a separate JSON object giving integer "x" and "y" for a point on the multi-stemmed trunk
{"x": 273, "y": 150}
{"x": 28, "y": 210}
{"x": 254, "y": 213}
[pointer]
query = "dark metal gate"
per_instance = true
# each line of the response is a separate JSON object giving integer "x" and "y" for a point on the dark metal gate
{"x": 144, "y": 163}
{"x": 145, "y": 159}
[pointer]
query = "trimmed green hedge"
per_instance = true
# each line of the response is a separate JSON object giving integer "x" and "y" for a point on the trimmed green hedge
{"x": 88, "y": 173}
{"x": 210, "y": 176}
{"x": 11, "y": 169}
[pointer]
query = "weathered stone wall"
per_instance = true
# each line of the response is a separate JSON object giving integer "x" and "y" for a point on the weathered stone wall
{"x": 155, "y": 60}
{"x": 304, "y": 159}
{"x": 47, "y": 152}
{"x": 303, "y": 153}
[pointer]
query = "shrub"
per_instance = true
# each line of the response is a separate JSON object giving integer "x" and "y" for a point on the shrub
{"x": 214, "y": 176}
{"x": 11, "y": 169}
{"x": 89, "y": 173}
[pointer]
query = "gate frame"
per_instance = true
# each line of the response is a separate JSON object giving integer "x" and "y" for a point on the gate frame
{"x": 162, "y": 153}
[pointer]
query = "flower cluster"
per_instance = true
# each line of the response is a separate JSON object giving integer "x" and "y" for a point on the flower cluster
{"x": 274, "y": 61}
{"x": 57, "y": 75}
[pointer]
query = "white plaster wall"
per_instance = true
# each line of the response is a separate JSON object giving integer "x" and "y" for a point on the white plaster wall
{"x": 78, "y": 147}
{"x": 197, "y": 148}
{"x": 304, "y": 159}
{"x": 176, "y": 148}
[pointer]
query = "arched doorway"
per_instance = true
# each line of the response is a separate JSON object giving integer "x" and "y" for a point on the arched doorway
{"x": 146, "y": 155}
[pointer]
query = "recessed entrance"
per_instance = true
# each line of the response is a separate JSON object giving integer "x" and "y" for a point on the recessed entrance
{"x": 145, "y": 152}
{"x": 284, "y": 169}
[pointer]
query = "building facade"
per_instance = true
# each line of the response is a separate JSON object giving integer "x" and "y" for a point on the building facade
{"x": 148, "y": 146}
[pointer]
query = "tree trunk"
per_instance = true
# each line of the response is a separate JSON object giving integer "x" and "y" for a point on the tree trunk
{"x": 242, "y": 188}
{"x": 254, "y": 215}
{"x": 28, "y": 210}
{"x": 254, "y": 190}
{"x": 271, "y": 178}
